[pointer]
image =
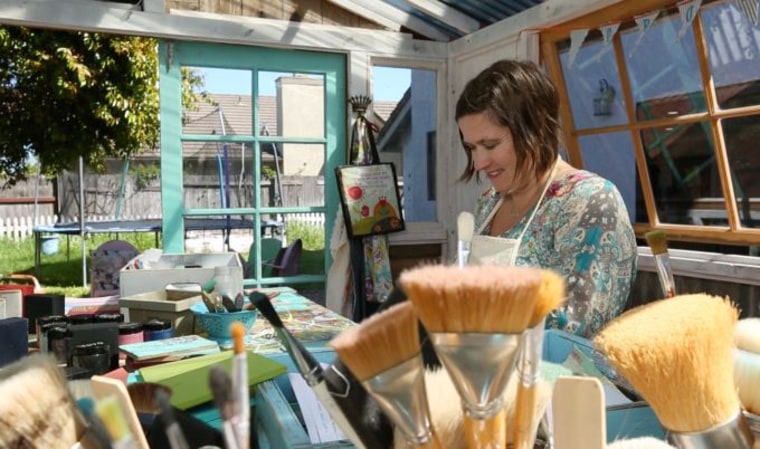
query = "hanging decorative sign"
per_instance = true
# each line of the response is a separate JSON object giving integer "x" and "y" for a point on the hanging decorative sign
{"x": 644, "y": 22}
{"x": 576, "y": 42}
{"x": 688, "y": 10}
{"x": 608, "y": 32}
{"x": 750, "y": 10}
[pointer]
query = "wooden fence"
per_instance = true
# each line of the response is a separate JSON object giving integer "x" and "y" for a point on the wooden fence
{"x": 19, "y": 228}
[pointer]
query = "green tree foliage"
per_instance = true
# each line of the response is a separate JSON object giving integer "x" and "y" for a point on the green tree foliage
{"x": 69, "y": 94}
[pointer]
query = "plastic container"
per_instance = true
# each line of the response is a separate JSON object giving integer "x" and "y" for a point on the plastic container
{"x": 94, "y": 357}
{"x": 50, "y": 319}
{"x": 58, "y": 338}
{"x": 157, "y": 330}
{"x": 224, "y": 284}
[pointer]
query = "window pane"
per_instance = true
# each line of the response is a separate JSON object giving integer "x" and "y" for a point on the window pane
{"x": 611, "y": 156}
{"x": 734, "y": 55}
{"x": 218, "y": 175}
{"x": 291, "y": 104}
{"x": 212, "y": 233}
{"x": 591, "y": 81}
{"x": 683, "y": 173}
{"x": 741, "y": 137}
{"x": 665, "y": 82}
{"x": 404, "y": 109}
{"x": 222, "y": 103}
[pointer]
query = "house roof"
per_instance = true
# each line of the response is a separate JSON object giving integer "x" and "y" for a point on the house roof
{"x": 440, "y": 20}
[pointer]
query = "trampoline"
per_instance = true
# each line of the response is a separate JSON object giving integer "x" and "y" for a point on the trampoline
{"x": 147, "y": 225}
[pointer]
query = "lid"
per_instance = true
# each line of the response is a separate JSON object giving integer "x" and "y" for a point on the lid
{"x": 109, "y": 318}
{"x": 82, "y": 319}
{"x": 45, "y": 327}
{"x": 96, "y": 347}
{"x": 156, "y": 325}
{"x": 52, "y": 319}
{"x": 58, "y": 332}
{"x": 130, "y": 328}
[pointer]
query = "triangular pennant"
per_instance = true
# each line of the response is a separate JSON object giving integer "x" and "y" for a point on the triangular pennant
{"x": 576, "y": 42}
{"x": 688, "y": 10}
{"x": 644, "y": 22}
{"x": 608, "y": 32}
{"x": 750, "y": 10}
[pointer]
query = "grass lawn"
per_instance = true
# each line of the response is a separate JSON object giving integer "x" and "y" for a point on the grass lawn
{"x": 61, "y": 273}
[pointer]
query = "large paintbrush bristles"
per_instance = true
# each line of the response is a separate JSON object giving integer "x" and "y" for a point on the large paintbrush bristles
{"x": 380, "y": 342}
{"x": 481, "y": 299}
{"x": 678, "y": 354}
{"x": 551, "y": 294}
{"x": 37, "y": 409}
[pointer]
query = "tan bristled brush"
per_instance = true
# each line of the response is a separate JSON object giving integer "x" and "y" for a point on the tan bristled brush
{"x": 475, "y": 317}
{"x": 551, "y": 295}
{"x": 383, "y": 352}
{"x": 678, "y": 354}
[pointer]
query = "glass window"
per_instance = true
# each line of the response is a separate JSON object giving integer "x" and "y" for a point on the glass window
{"x": 404, "y": 109}
{"x": 741, "y": 135}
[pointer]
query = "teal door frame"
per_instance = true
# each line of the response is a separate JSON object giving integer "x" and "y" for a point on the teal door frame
{"x": 172, "y": 56}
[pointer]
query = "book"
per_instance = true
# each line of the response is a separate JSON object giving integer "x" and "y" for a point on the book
{"x": 170, "y": 348}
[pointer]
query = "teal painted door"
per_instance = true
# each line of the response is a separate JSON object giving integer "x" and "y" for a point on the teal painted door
{"x": 252, "y": 148}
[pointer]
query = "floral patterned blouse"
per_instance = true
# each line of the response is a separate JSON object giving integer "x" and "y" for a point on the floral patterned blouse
{"x": 582, "y": 231}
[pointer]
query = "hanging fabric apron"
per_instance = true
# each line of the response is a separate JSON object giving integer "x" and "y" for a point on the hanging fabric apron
{"x": 489, "y": 250}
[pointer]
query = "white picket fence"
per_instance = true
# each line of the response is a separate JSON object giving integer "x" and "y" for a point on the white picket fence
{"x": 19, "y": 228}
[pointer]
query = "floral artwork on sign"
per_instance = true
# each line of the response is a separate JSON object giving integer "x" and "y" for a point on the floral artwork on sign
{"x": 370, "y": 199}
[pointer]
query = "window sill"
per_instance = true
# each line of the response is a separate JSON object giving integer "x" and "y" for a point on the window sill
{"x": 706, "y": 265}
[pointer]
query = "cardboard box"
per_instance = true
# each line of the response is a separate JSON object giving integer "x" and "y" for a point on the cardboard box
{"x": 153, "y": 270}
{"x": 146, "y": 306}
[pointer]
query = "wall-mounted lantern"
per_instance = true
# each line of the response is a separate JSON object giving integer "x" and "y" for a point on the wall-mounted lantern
{"x": 603, "y": 101}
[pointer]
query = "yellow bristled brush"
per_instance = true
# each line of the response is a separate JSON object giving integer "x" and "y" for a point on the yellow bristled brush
{"x": 658, "y": 243}
{"x": 551, "y": 295}
{"x": 747, "y": 370}
{"x": 383, "y": 352}
{"x": 678, "y": 354}
{"x": 475, "y": 317}
{"x": 37, "y": 409}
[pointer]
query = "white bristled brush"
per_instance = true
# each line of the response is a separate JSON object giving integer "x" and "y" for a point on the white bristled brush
{"x": 465, "y": 231}
{"x": 640, "y": 443}
{"x": 747, "y": 370}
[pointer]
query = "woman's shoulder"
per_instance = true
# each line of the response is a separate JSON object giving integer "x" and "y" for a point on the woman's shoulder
{"x": 578, "y": 183}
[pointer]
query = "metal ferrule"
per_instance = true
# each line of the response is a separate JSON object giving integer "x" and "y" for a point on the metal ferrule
{"x": 732, "y": 434}
{"x": 310, "y": 373}
{"x": 480, "y": 365}
{"x": 400, "y": 392}
{"x": 463, "y": 252}
{"x": 529, "y": 360}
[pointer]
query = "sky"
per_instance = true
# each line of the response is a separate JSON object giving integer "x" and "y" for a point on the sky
{"x": 390, "y": 83}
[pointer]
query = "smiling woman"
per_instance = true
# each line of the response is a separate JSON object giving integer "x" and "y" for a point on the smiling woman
{"x": 539, "y": 210}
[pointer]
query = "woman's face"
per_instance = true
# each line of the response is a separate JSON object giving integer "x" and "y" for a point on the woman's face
{"x": 492, "y": 150}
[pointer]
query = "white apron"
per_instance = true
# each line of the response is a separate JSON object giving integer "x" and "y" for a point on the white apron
{"x": 489, "y": 250}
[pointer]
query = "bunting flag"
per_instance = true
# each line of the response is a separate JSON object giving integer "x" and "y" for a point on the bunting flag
{"x": 644, "y": 22}
{"x": 608, "y": 32}
{"x": 750, "y": 10}
{"x": 688, "y": 10}
{"x": 576, "y": 42}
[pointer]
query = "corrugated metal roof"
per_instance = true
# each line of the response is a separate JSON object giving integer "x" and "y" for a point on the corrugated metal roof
{"x": 440, "y": 14}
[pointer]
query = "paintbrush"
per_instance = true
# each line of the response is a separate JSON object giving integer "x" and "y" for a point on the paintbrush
{"x": 174, "y": 433}
{"x": 465, "y": 230}
{"x": 308, "y": 366}
{"x": 747, "y": 370}
{"x": 240, "y": 385}
{"x": 475, "y": 317}
{"x": 678, "y": 354}
{"x": 551, "y": 295}
{"x": 220, "y": 384}
{"x": 37, "y": 409}
{"x": 383, "y": 352}
{"x": 110, "y": 412}
{"x": 658, "y": 243}
{"x": 96, "y": 432}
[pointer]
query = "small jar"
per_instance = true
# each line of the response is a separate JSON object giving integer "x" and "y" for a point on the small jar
{"x": 109, "y": 318}
{"x": 81, "y": 319}
{"x": 41, "y": 321}
{"x": 157, "y": 330}
{"x": 58, "y": 338}
{"x": 42, "y": 337}
{"x": 130, "y": 333}
{"x": 92, "y": 357}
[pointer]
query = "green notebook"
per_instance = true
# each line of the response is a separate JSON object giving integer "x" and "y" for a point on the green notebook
{"x": 188, "y": 378}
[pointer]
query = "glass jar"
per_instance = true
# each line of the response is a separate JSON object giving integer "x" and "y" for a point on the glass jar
{"x": 58, "y": 338}
{"x": 92, "y": 357}
{"x": 157, "y": 330}
{"x": 43, "y": 320}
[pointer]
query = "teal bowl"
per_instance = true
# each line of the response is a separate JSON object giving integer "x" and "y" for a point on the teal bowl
{"x": 217, "y": 325}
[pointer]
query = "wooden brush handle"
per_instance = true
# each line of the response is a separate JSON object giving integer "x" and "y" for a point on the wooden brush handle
{"x": 489, "y": 433}
{"x": 524, "y": 426}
